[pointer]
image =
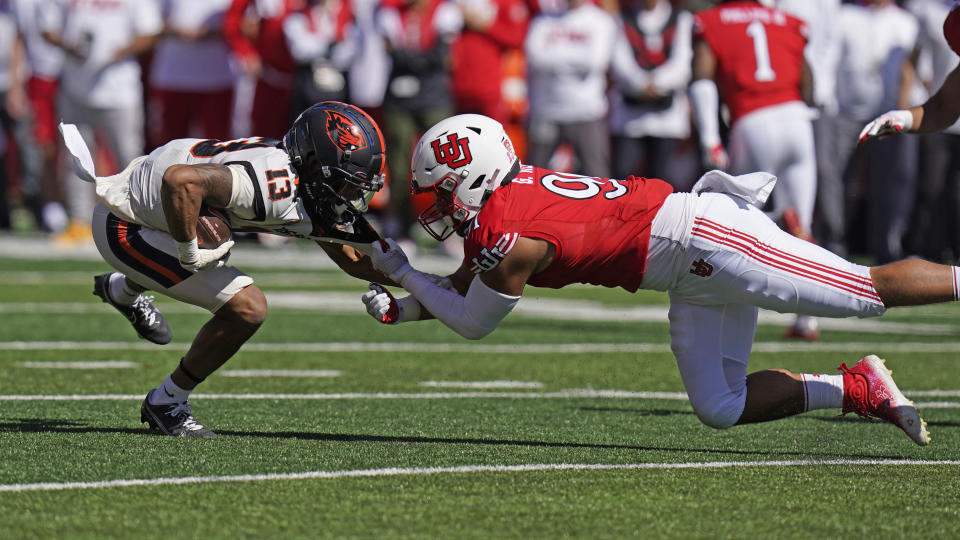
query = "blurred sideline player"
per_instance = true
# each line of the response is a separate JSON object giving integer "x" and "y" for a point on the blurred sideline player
{"x": 312, "y": 185}
{"x": 940, "y": 111}
{"x": 753, "y": 55}
{"x": 717, "y": 254}
{"x": 264, "y": 57}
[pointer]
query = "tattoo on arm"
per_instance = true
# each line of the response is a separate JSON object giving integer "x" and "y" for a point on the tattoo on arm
{"x": 217, "y": 183}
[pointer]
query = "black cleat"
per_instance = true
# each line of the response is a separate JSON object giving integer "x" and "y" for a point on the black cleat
{"x": 172, "y": 419}
{"x": 146, "y": 319}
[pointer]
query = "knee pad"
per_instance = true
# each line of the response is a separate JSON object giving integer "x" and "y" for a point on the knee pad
{"x": 720, "y": 412}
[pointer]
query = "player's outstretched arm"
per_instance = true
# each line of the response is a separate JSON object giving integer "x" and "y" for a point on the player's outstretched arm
{"x": 943, "y": 107}
{"x": 487, "y": 300}
{"x": 938, "y": 113}
{"x": 354, "y": 262}
{"x": 184, "y": 190}
{"x": 705, "y": 101}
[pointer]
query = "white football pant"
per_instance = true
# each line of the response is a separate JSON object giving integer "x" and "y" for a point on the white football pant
{"x": 779, "y": 140}
{"x": 721, "y": 258}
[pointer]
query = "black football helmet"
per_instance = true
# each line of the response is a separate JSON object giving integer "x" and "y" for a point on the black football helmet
{"x": 337, "y": 151}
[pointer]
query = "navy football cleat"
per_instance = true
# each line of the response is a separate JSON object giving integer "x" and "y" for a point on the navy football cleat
{"x": 172, "y": 419}
{"x": 146, "y": 319}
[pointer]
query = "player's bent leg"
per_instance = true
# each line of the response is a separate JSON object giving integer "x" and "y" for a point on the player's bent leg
{"x": 772, "y": 394}
{"x": 712, "y": 345}
{"x": 166, "y": 408}
{"x": 222, "y": 336}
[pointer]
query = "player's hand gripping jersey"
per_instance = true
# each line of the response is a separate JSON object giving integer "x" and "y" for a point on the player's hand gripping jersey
{"x": 759, "y": 54}
{"x": 600, "y": 227}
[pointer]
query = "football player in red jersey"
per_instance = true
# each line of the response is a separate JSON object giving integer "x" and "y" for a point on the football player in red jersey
{"x": 938, "y": 112}
{"x": 753, "y": 55}
{"x": 716, "y": 253}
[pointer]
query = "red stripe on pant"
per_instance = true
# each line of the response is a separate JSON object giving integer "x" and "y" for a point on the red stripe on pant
{"x": 755, "y": 253}
{"x": 122, "y": 230}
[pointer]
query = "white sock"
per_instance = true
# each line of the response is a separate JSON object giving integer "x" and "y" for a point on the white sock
{"x": 956, "y": 282}
{"x": 169, "y": 392}
{"x": 120, "y": 291}
{"x": 822, "y": 391}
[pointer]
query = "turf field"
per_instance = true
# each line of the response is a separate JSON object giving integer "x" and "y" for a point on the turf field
{"x": 568, "y": 421}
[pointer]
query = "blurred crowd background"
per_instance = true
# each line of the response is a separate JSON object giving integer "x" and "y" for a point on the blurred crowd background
{"x": 598, "y": 88}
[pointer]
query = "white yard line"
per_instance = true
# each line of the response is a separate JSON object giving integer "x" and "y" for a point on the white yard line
{"x": 482, "y": 384}
{"x": 98, "y": 364}
{"x": 467, "y": 469}
{"x": 860, "y": 348}
{"x": 529, "y": 307}
{"x": 279, "y": 373}
{"x": 563, "y": 394}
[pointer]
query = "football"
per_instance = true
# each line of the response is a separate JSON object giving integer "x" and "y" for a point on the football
{"x": 213, "y": 229}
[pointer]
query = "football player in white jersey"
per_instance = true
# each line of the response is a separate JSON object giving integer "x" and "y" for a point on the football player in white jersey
{"x": 314, "y": 184}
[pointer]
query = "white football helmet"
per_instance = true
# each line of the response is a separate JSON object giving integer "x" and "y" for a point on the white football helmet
{"x": 461, "y": 160}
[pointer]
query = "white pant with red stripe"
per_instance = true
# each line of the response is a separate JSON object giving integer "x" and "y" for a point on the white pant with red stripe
{"x": 721, "y": 258}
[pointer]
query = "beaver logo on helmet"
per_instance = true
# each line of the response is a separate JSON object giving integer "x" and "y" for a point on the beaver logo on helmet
{"x": 344, "y": 133}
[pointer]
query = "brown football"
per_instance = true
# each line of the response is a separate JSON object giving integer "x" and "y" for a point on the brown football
{"x": 212, "y": 230}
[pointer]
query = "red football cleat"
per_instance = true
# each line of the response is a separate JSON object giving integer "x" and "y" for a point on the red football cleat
{"x": 869, "y": 391}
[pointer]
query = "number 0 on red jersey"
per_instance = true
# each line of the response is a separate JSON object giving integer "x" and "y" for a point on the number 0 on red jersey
{"x": 599, "y": 227}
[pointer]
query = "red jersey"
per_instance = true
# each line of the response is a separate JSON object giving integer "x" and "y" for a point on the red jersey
{"x": 600, "y": 227}
{"x": 270, "y": 43}
{"x": 759, "y": 54}
{"x": 477, "y": 56}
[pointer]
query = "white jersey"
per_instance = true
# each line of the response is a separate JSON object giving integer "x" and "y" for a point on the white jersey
{"x": 568, "y": 56}
{"x": 44, "y": 58}
{"x": 192, "y": 65}
{"x": 264, "y": 186}
{"x": 101, "y": 28}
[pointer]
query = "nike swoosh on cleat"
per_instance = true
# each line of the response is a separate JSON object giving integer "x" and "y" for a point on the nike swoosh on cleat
{"x": 167, "y": 393}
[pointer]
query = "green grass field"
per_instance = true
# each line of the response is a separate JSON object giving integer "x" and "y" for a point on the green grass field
{"x": 579, "y": 430}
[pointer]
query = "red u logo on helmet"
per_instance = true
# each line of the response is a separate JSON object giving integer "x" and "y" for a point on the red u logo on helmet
{"x": 454, "y": 153}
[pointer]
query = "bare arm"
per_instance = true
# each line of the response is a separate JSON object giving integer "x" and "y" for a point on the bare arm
{"x": 528, "y": 256}
{"x": 942, "y": 109}
{"x": 355, "y": 263}
{"x": 806, "y": 84}
{"x": 704, "y": 61}
{"x": 186, "y": 188}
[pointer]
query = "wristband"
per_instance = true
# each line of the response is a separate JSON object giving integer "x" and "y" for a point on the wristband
{"x": 188, "y": 251}
{"x": 409, "y": 309}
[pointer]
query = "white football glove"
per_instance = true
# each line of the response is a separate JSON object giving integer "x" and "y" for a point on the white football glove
{"x": 888, "y": 123}
{"x": 193, "y": 258}
{"x": 384, "y": 307}
{"x": 389, "y": 259}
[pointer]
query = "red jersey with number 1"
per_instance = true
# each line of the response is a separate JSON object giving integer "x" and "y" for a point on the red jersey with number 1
{"x": 759, "y": 53}
{"x": 600, "y": 227}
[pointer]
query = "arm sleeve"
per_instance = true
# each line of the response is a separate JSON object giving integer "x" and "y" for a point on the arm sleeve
{"x": 706, "y": 105}
{"x": 472, "y": 316}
